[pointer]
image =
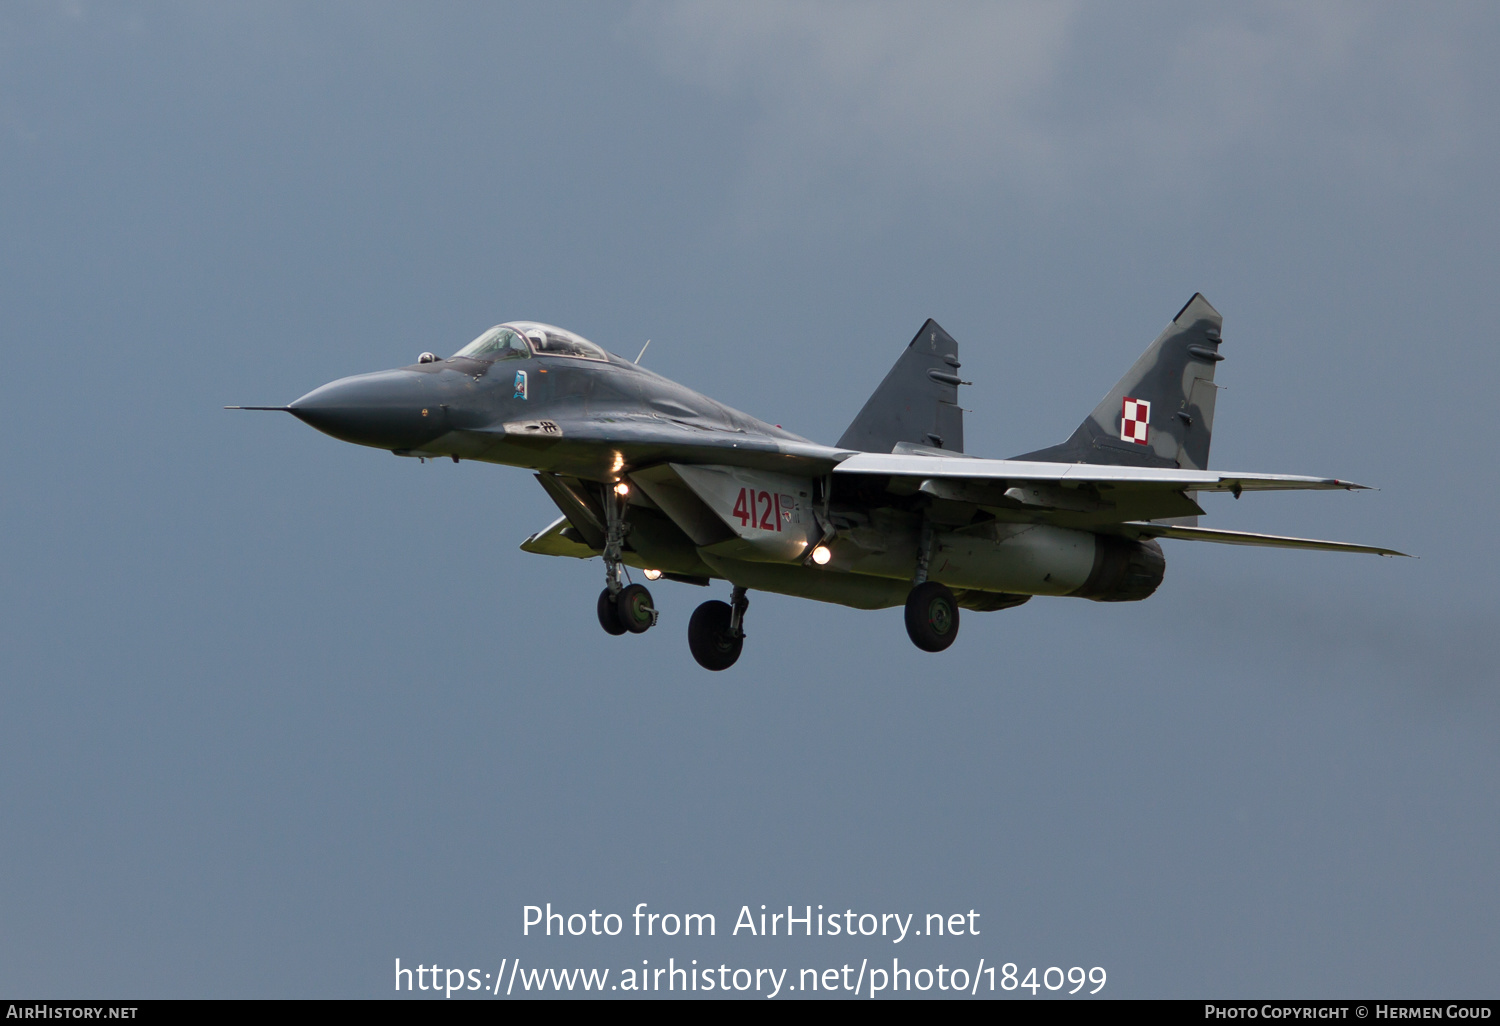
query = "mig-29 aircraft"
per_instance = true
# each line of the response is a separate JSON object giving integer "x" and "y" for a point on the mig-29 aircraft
{"x": 652, "y": 475}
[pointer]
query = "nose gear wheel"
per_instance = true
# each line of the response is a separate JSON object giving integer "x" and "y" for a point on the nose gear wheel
{"x": 609, "y": 615}
{"x": 634, "y": 609}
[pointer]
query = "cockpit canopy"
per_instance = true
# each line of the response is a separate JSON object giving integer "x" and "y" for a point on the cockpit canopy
{"x": 520, "y": 339}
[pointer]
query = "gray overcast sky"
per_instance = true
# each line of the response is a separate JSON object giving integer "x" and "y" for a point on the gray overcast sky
{"x": 279, "y": 710}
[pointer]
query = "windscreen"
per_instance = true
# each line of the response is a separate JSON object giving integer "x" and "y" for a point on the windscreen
{"x": 501, "y": 342}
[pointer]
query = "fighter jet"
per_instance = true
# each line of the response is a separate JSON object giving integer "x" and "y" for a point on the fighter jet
{"x": 650, "y": 475}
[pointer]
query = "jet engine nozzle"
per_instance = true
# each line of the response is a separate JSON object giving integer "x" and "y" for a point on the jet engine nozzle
{"x": 1124, "y": 570}
{"x": 387, "y": 409}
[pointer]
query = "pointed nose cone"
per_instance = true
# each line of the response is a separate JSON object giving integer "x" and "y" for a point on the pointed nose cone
{"x": 387, "y": 409}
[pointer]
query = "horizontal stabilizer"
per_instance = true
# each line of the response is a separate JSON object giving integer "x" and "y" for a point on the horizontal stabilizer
{"x": 1274, "y": 541}
{"x": 555, "y": 540}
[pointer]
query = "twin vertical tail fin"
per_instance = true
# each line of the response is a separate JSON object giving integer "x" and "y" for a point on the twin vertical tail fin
{"x": 917, "y": 403}
{"x": 1161, "y": 413}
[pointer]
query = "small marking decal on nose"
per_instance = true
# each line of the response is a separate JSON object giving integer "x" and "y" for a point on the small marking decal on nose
{"x": 520, "y": 392}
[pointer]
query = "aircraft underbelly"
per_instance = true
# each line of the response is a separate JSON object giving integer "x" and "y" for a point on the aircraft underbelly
{"x": 1024, "y": 560}
{"x": 858, "y": 590}
{"x": 1039, "y": 560}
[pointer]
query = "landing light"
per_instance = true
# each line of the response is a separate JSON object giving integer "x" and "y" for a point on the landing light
{"x": 622, "y": 488}
{"x": 822, "y": 554}
{"x": 652, "y": 575}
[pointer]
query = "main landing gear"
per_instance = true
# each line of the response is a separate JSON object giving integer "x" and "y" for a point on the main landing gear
{"x": 931, "y": 609}
{"x": 716, "y": 632}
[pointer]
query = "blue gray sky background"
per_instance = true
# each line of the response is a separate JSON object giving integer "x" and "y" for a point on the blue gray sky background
{"x": 279, "y": 710}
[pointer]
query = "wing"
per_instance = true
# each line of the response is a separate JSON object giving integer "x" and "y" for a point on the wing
{"x": 1066, "y": 475}
{"x": 1115, "y": 499}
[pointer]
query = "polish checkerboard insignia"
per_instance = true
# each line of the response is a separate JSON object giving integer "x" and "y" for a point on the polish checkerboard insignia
{"x": 1135, "y": 421}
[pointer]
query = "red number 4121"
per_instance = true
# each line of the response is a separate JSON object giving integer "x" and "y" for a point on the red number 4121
{"x": 758, "y": 509}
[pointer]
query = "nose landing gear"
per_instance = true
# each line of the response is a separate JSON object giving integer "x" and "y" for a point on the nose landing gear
{"x": 628, "y": 607}
{"x": 716, "y": 632}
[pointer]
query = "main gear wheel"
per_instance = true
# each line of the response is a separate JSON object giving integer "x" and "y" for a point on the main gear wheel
{"x": 931, "y": 616}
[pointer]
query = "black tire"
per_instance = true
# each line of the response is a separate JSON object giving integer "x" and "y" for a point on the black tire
{"x": 633, "y": 607}
{"x": 931, "y": 616}
{"x": 609, "y": 617}
{"x": 709, "y": 638}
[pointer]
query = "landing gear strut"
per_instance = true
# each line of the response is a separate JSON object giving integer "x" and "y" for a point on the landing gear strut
{"x": 931, "y": 610}
{"x": 621, "y": 607}
{"x": 716, "y": 632}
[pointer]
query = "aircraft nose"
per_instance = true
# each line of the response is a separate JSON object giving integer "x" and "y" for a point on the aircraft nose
{"x": 387, "y": 409}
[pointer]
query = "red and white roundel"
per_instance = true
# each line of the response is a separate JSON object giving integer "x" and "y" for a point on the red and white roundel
{"x": 1135, "y": 421}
